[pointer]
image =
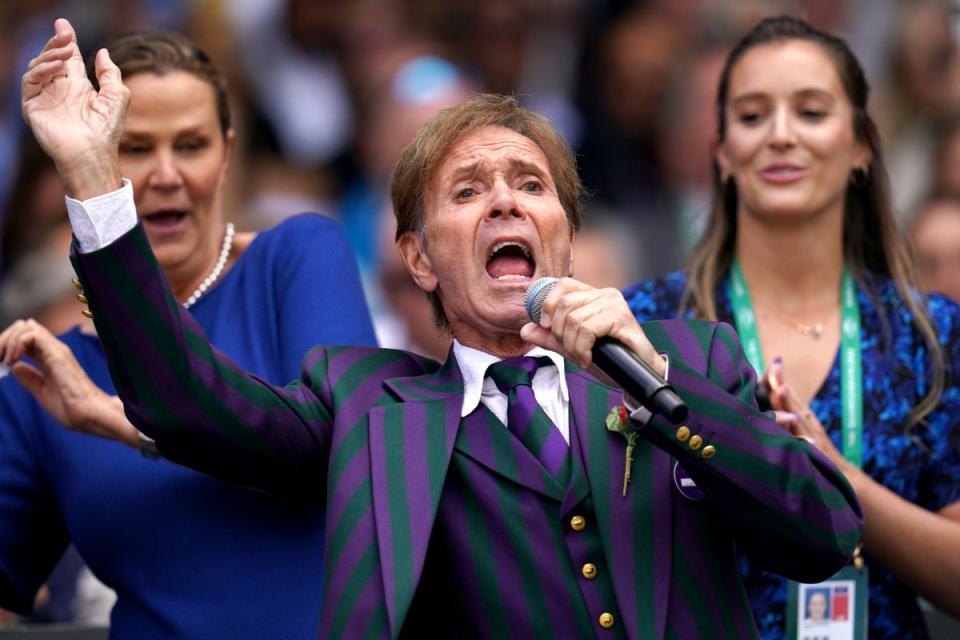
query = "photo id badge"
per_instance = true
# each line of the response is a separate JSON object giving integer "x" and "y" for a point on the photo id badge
{"x": 835, "y": 609}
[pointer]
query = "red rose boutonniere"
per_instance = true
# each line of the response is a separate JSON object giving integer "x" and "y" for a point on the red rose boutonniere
{"x": 619, "y": 421}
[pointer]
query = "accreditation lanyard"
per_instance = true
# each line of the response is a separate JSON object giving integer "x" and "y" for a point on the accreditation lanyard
{"x": 851, "y": 374}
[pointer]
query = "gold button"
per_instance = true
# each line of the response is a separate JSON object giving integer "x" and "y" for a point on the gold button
{"x": 76, "y": 283}
{"x": 683, "y": 433}
{"x": 82, "y": 298}
{"x": 606, "y": 620}
{"x": 578, "y": 523}
{"x": 695, "y": 442}
{"x": 589, "y": 571}
{"x": 708, "y": 452}
{"x": 86, "y": 312}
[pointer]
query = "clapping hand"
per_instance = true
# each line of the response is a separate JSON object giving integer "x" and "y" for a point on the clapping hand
{"x": 793, "y": 415}
{"x": 76, "y": 125}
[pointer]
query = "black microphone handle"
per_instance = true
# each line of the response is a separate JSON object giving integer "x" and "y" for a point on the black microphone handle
{"x": 638, "y": 379}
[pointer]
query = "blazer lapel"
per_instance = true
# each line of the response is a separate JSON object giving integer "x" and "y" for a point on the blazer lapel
{"x": 634, "y": 529}
{"x": 411, "y": 442}
{"x": 486, "y": 440}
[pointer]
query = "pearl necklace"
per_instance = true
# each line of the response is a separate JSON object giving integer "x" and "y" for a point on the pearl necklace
{"x": 217, "y": 268}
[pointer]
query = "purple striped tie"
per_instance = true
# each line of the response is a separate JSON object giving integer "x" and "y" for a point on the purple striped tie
{"x": 525, "y": 417}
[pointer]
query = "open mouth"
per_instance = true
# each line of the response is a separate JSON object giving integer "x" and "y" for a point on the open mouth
{"x": 510, "y": 260}
{"x": 164, "y": 220}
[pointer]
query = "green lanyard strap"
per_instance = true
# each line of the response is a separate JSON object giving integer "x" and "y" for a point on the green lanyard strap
{"x": 851, "y": 364}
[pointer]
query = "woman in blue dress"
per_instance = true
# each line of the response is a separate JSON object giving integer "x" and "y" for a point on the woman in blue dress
{"x": 188, "y": 556}
{"x": 801, "y": 254}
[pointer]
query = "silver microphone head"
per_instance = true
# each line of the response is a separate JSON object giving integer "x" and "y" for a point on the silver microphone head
{"x": 535, "y": 295}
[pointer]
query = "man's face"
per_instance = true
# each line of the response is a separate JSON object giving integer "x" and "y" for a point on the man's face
{"x": 494, "y": 224}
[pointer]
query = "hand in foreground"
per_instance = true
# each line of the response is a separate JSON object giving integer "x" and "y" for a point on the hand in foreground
{"x": 77, "y": 126}
{"x": 794, "y": 416}
{"x": 575, "y": 314}
{"x": 61, "y": 386}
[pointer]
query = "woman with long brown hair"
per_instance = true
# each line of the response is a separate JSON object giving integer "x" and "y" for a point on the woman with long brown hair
{"x": 801, "y": 254}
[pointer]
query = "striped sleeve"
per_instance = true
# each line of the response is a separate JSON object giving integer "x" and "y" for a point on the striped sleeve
{"x": 201, "y": 408}
{"x": 787, "y": 505}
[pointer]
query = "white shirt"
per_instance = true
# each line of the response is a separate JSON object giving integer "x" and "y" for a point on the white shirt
{"x": 549, "y": 386}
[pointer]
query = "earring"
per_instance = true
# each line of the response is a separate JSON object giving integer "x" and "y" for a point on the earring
{"x": 859, "y": 177}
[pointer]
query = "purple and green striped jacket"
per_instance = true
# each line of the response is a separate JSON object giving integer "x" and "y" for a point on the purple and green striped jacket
{"x": 376, "y": 435}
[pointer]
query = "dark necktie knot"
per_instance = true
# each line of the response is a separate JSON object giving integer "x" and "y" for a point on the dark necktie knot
{"x": 512, "y": 372}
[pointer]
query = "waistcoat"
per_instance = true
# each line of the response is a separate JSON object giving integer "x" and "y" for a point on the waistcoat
{"x": 508, "y": 560}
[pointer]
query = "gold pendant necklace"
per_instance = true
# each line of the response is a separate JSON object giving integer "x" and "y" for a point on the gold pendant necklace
{"x": 814, "y": 330}
{"x": 811, "y": 330}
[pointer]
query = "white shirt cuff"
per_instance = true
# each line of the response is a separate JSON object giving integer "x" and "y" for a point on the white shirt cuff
{"x": 99, "y": 221}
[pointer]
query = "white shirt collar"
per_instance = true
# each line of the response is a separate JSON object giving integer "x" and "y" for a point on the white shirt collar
{"x": 473, "y": 365}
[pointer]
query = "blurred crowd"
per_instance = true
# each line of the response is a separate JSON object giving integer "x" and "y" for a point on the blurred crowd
{"x": 327, "y": 92}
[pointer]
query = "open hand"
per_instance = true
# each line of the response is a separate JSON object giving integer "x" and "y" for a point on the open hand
{"x": 60, "y": 384}
{"x": 77, "y": 126}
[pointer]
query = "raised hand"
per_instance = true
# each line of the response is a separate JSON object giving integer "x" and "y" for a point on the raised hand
{"x": 77, "y": 126}
{"x": 60, "y": 385}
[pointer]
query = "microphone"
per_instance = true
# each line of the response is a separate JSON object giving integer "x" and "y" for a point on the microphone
{"x": 634, "y": 375}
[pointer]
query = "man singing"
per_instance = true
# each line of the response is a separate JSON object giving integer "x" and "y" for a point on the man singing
{"x": 506, "y": 492}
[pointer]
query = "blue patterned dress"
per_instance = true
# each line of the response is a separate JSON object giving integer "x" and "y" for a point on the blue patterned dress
{"x": 922, "y": 467}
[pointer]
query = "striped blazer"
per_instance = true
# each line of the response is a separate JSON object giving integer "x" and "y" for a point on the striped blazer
{"x": 371, "y": 433}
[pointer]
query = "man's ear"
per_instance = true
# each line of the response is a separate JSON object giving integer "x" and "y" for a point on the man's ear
{"x": 573, "y": 237}
{"x": 417, "y": 261}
